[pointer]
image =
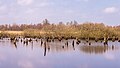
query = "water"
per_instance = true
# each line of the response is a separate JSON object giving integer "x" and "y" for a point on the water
{"x": 58, "y": 55}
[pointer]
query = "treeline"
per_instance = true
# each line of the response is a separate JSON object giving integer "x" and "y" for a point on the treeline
{"x": 21, "y": 27}
{"x": 69, "y": 30}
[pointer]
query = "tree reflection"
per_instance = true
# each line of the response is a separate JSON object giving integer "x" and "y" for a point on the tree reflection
{"x": 73, "y": 45}
{"x": 68, "y": 45}
{"x": 15, "y": 45}
{"x": 96, "y": 49}
{"x": 32, "y": 45}
{"x": 45, "y": 49}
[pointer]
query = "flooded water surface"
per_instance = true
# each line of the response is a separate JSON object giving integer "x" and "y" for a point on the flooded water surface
{"x": 59, "y": 54}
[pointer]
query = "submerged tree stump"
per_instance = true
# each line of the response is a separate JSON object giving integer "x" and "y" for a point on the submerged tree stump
{"x": 105, "y": 41}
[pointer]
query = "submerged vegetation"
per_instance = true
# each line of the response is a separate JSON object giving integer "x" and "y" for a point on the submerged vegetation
{"x": 70, "y": 30}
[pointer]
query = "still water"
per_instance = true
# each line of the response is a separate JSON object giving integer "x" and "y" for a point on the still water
{"x": 58, "y": 55}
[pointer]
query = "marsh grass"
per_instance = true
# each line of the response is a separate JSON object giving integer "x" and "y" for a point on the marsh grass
{"x": 90, "y": 31}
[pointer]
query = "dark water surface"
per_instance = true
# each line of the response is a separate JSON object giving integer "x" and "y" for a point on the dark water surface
{"x": 58, "y": 55}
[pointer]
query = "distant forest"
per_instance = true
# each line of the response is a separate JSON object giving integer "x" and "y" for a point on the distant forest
{"x": 73, "y": 28}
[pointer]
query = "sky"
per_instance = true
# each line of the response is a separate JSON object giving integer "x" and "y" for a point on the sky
{"x": 35, "y": 11}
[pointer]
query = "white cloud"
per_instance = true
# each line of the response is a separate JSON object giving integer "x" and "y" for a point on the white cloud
{"x": 83, "y": 0}
{"x": 2, "y": 57}
{"x": 110, "y": 10}
{"x": 109, "y": 56}
{"x": 24, "y": 2}
{"x": 30, "y": 11}
{"x": 69, "y": 11}
{"x": 3, "y": 8}
{"x": 45, "y": 3}
{"x": 0, "y": 2}
{"x": 25, "y": 64}
{"x": 86, "y": 0}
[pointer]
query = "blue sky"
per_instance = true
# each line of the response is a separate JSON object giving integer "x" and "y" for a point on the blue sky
{"x": 34, "y": 11}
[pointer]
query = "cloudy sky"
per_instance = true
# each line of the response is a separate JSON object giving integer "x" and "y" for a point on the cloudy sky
{"x": 34, "y": 11}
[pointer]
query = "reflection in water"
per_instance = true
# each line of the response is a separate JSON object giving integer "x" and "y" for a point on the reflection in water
{"x": 65, "y": 45}
{"x": 69, "y": 45}
{"x": 32, "y": 45}
{"x": 73, "y": 45}
{"x": 60, "y": 47}
{"x": 32, "y": 54}
{"x": 15, "y": 45}
{"x": 92, "y": 49}
{"x": 96, "y": 49}
{"x": 41, "y": 42}
{"x": 44, "y": 48}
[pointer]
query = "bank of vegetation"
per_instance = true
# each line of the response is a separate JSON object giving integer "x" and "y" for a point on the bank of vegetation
{"x": 69, "y": 30}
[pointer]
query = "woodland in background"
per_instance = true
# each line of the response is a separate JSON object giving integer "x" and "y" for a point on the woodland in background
{"x": 69, "y": 30}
